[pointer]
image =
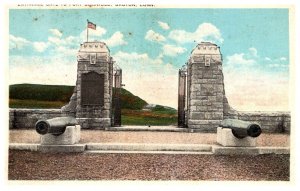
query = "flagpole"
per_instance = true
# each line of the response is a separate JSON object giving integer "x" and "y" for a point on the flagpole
{"x": 87, "y": 31}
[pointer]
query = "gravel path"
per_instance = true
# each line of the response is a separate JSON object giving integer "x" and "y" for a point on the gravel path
{"x": 97, "y": 136}
{"x": 24, "y": 165}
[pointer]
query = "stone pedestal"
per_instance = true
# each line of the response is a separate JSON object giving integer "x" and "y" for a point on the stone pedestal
{"x": 66, "y": 142}
{"x": 71, "y": 136}
{"x": 227, "y": 139}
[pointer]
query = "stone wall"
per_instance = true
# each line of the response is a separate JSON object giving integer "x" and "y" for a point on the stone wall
{"x": 26, "y": 118}
{"x": 274, "y": 122}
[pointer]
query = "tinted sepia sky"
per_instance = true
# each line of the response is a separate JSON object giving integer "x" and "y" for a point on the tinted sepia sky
{"x": 150, "y": 45}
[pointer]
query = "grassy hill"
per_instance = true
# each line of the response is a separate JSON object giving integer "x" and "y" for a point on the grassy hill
{"x": 38, "y": 96}
{"x": 56, "y": 96}
{"x": 40, "y": 92}
{"x": 130, "y": 101}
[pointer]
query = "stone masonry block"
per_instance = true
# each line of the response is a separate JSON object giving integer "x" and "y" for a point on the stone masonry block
{"x": 217, "y": 115}
{"x": 212, "y": 98}
{"x": 195, "y": 87}
{"x": 94, "y": 123}
{"x": 193, "y": 95}
{"x": 201, "y": 108}
{"x": 212, "y": 123}
{"x": 196, "y": 102}
{"x": 208, "y": 74}
{"x": 207, "y": 115}
{"x": 227, "y": 139}
{"x": 197, "y": 115}
{"x": 193, "y": 108}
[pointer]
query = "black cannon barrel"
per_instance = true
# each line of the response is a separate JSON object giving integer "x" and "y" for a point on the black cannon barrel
{"x": 54, "y": 126}
{"x": 241, "y": 129}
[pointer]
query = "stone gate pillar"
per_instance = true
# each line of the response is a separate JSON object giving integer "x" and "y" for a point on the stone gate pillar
{"x": 207, "y": 105}
{"x": 117, "y": 98}
{"x": 181, "y": 97}
{"x": 91, "y": 102}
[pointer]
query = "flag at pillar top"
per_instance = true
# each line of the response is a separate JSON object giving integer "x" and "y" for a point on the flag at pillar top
{"x": 91, "y": 25}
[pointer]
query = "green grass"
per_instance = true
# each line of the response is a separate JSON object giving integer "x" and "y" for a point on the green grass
{"x": 139, "y": 117}
{"x": 16, "y": 103}
{"x": 140, "y": 120}
{"x": 40, "y": 92}
{"x": 130, "y": 101}
{"x": 159, "y": 109}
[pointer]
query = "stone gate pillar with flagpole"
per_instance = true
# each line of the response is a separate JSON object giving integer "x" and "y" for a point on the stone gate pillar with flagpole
{"x": 91, "y": 102}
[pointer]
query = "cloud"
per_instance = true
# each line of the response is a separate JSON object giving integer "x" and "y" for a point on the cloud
{"x": 239, "y": 59}
{"x": 93, "y": 34}
{"x": 204, "y": 32}
{"x": 253, "y": 51}
{"x": 66, "y": 51}
{"x": 135, "y": 60}
{"x": 64, "y": 46}
{"x": 163, "y": 25}
{"x": 267, "y": 59}
{"x": 55, "y": 40}
{"x": 115, "y": 40}
{"x": 40, "y": 46}
{"x": 277, "y": 62}
{"x": 53, "y": 43}
{"x": 155, "y": 37}
{"x": 283, "y": 59}
{"x": 17, "y": 42}
{"x": 172, "y": 50}
{"x": 68, "y": 41}
{"x": 277, "y": 65}
{"x": 55, "y": 32}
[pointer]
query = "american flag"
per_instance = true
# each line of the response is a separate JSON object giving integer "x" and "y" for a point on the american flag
{"x": 91, "y": 25}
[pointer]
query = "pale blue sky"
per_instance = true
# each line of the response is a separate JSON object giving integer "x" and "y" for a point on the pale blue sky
{"x": 264, "y": 29}
{"x": 152, "y": 41}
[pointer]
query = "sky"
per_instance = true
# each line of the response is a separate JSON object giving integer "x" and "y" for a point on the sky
{"x": 150, "y": 45}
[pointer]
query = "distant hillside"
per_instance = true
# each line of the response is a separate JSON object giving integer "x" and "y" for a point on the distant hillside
{"x": 40, "y": 92}
{"x": 130, "y": 101}
{"x": 60, "y": 93}
{"x": 155, "y": 107}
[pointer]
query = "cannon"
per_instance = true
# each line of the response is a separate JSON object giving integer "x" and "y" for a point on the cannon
{"x": 241, "y": 129}
{"x": 54, "y": 126}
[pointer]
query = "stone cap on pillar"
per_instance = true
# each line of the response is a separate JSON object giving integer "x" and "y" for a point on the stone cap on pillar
{"x": 92, "y": 51}
{"x": 206, "y": 50}
{"x": 94, "y": 46}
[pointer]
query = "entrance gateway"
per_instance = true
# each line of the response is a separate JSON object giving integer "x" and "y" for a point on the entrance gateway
{"x": 202, "y": 103}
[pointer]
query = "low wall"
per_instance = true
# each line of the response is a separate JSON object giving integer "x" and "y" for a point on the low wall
{"x": 274, "y": 122}
{"x": 26, "y": 118}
